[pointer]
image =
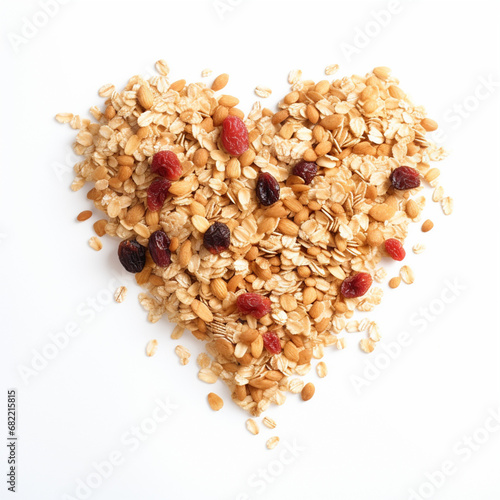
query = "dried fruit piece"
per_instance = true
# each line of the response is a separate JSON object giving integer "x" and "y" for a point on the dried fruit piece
{"x": 272, "y": 342}
{"x": 132, "y": 256}
{"x": 268, "y": 189}
{"x": 306, "y": 170}
{"x": 395, "y": 249}
{"x": 356, "y": 286}
{"x": 158, "y": 245}
{"x": 157, "y": 193}
{"x": 234, "y": 135}
{"x": 405, "y": 178}
{"x": 217, "y": 238}
{"x": 253, "y": 303}
{"x": 166, "y": 164}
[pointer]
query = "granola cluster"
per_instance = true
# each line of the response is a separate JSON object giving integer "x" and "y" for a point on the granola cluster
{"x": 298, "y": 251}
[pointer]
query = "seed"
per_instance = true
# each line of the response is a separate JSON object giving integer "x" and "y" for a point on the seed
{"x": 331, "y": 122}
{"x": 120, "y": 294}
{"x": 291, "y": 352}
{"x": 288, "y": 227}
{"x": 382, "y": 72}
{"x": 178, "y": 85}
{"x": 229, "y": 101}
{"x": 291, "y": 98}
{"x": 412, "y": 209}
{"x": 288, "y": 302}
{"x": 200, "y": 157}
{"x": 429, "y": 125}
{"x": 95, "y": 243}
{"x": 185, "y": 253}
{"x": 82, "y": 216}
{"x": 219, "y": 288}
{"x": 395, "y": 282}
{"x": 427, "y": 225}
{"x": 321, "y": 369}
{"x": 312, "y": 113}
{"x": 202, "y": 311}
{"x": 272, "y": 442}
{"x": 252, "y": 426}
{"x": 145, "y": 97}
{"x": 215, "y": 402}
{"x": 280, "y": 116}
{"x": 382, "y": 212}
{"x": 308, "y": 391}
{"x": 151, "y": 348}
{"x": 374, "y": 237}
{"x": 309, "y": 295}
{"x": 220, "y": 82}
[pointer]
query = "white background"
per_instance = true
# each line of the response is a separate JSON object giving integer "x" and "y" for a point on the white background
{"x": 376, "y": 444}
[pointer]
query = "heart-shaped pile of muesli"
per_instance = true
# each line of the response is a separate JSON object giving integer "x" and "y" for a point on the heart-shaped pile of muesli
{"x": 260, "y": 235}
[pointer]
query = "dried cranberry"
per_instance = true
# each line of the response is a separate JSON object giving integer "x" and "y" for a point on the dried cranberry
{"x": 217, "y": 238}
{"x": 234, "y": 135}
{"x": 272, "y": 342}
{"x": 166, "y": 164}
{"x": 132, "y": 256}
{"x": 395, "y": 249}
{"x": 268, "y": 189}
{"x": 307, "y": 170}
{"x": 356, "y": 286}
{"x": 158, "y": 245}
{"x": 253, "y": 303}
{"x": 157, "y": 193}
{"x": 405, "y": 178}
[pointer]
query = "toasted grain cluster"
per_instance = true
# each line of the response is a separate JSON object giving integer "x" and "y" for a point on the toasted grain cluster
{"x": 296, "y": 252}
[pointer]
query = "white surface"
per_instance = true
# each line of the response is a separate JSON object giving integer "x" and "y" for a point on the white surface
{"x": 375, "y": 445}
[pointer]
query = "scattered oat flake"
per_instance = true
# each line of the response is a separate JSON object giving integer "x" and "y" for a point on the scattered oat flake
{"x": 447, "y": 205}
{"x": 183, "y": 353}
{"x": 95, "y": 243}
{"x": 269, "y": 422}
{"x": 252, "y": 426}
{"x": 152, "y": 347}
{"x": 64, "y": 117}
{"x": 367, "y": 345}
{"x": 262, "y": 91}
{"x": 407, "y": 274}
{"x": 206, "y": 72}
{"x": 120, "y": 294}
{"x": 162, "y": 67}
{"x": 271, "y": 443}
{"x": 418, "y": 248}
{"x": 321, "y": 369}
{"x": 177, "y": 332}
{"x": 294, "y": 76}
{"x": 331, "y": 69}
{"x": 208, "y": 376}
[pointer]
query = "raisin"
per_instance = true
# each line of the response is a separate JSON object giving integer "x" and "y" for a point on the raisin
{"x": 132, "y": 256}
{"x": 157, "y": 193}
{"x": 234, "y": 135}
{"x": 166, "y": 164}
{"x": 268, "y": 189}
{"x": 307, "y": 170}
{"x": 272, "y": 342}
{"x": 253, "y": 303}
{"x": 405, "y": 178}
{"x": 356, "y": 286}
{"x": 395, "y": 249}
{"x": 158, "y": 245}
{"x": 217, "y": 238}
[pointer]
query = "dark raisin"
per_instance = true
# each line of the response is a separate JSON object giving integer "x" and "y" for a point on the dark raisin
{"x": 307, "y": 170}
{"x": 234, "y": 135}
{"x": 217, "y": 238}
{"x": 272, "y": 342}
{"x": 405, "y": 178}
{"x": 356, "y": 286}
{"x": 157, "y": 193}
{"x": 253, "y": 303}
{"x": 132, "y": 256}
{"x": 158, "y": 246}
{"x": 268, "y": 189}
{"x": 166, "y": 164}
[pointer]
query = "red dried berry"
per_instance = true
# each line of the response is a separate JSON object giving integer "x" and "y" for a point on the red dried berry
{"x": 234, "y": 135}
{"x": 405, "y": 178}
{"x": 356, "y": 286}
{"x": 271, "y": 342}
{"x": 132, "y": 256}
{"x": 253, "y": 303}
{"x": 159, "y": 244}
{"x": 307, "y": 170}
{"x": 268, "y": 189}
{"x": 217, "y": 238}
{"x": 157, "y": 193}
{"x": 395, "y": 249}
{"x": 166, "y": 164}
